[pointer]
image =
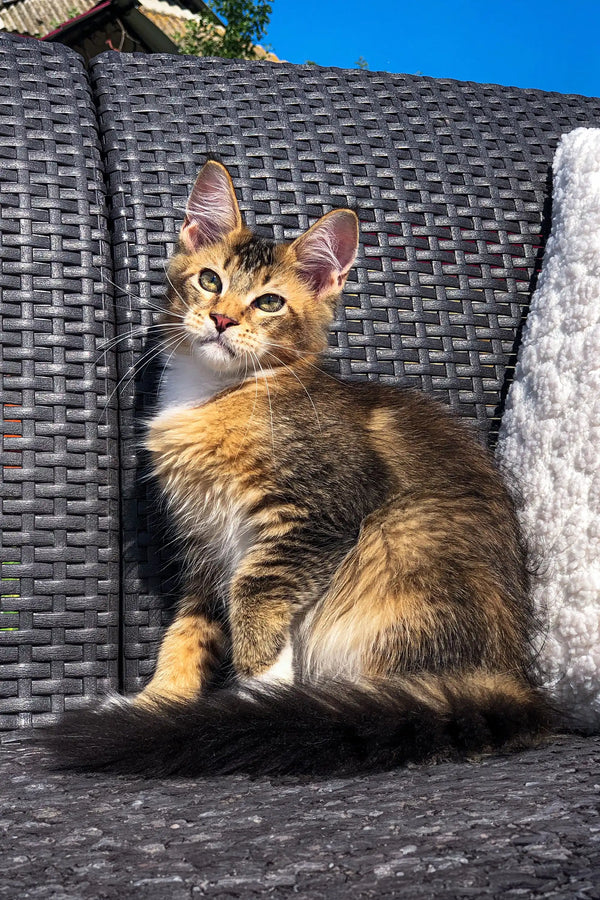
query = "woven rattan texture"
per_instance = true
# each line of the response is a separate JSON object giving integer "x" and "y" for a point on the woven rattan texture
{"x": 450, "y": 181}
{"x": 59, "y": 540}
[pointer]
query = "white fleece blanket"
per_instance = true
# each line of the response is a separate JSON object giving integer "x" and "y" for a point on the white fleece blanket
{"x": 550, "y": 435}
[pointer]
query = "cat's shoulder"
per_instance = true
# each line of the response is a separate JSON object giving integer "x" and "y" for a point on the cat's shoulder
{"x": 367, "y": 394}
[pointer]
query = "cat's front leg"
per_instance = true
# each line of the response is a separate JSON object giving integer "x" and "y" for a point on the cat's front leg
{"x": 277, "y": 581}
{"x": 191, "y": 649}
{"x": 261, "y": 607}
{"x": 260, "y": 634}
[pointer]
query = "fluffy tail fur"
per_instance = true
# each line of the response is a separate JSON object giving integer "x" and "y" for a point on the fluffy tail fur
{"x": 334, "y": 729}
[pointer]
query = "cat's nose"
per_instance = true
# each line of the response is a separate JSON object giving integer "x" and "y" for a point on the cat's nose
{"x": 222, "y": 322}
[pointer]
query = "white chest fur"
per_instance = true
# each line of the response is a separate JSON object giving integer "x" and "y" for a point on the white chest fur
{"x": 187, "y": 382}
{"x": 222, "y": 526}
{"x": 206, "y": 511}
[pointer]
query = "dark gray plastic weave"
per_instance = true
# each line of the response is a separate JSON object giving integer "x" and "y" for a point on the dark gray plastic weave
{"x": 451, "y": 184}
{"x": 59, "y": 534}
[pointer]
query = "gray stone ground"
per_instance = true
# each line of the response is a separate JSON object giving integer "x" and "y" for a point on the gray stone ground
{"x": 513, "y": 827}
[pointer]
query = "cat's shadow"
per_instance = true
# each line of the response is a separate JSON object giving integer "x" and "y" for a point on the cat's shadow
{"x": 151, "y": 563}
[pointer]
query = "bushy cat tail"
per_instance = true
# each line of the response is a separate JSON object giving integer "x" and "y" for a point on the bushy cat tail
{"x": 331, "y": 729}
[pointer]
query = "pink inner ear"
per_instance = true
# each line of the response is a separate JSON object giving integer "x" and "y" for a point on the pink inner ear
{"x": 212, "y": 210}
{"x": 326, "y": 252}
{"x": 189, "y": 235}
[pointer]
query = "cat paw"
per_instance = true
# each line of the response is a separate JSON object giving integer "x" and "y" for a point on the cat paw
{"x": 282, "y": 670}
{"x": 279, "y": 673}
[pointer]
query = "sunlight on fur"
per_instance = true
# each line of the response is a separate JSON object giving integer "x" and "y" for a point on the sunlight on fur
{"x": 356, "y": 593}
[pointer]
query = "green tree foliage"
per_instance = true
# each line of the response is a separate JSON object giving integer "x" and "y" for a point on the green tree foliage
{"x": 246, "y": 23}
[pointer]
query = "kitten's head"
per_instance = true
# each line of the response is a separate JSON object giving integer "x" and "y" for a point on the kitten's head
{"x": 239, "y": 302}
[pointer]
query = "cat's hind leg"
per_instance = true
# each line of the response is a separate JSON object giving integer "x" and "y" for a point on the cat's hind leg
{"x": 416, "y": 593}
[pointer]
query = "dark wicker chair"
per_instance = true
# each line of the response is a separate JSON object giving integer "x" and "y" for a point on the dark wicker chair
{"x": 451, "y": 182}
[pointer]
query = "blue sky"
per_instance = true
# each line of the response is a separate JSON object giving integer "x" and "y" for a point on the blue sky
{"x": 553, "y": 45}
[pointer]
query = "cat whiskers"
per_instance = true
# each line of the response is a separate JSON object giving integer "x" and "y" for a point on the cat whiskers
{"x": 141, "y": 302}
{"x": 166, "y": 365}
{"x": 302, "y": 385}
{"x": 144, "y": 360}
{"x": 248, "y": 354}
{"x": 132, "y": 370}
{"x": 303, "y": 360}
{"x": 183, "y": 300}
{"x": 256, "y": 360}
{"x": 142, "y": 331}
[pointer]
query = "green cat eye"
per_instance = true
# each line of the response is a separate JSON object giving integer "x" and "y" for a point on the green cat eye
{"x": 210, "y": 281}
{"x": 269, "y": 303}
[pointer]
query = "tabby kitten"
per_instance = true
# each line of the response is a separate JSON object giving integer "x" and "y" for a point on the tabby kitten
{"x": 352, "y": 556}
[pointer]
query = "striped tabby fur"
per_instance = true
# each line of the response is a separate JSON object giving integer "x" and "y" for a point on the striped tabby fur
{"x": 353, "y": 560}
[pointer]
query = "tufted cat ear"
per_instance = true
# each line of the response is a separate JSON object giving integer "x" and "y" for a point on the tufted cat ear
{"x": 326, "y": 252}
{"x": 212, "y": 209}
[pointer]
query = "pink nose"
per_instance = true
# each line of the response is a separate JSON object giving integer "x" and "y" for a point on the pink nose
{"x": 222, "y": 322}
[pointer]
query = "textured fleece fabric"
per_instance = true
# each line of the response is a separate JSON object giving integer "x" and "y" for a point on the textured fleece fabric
{"x": 550, "y": 436}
